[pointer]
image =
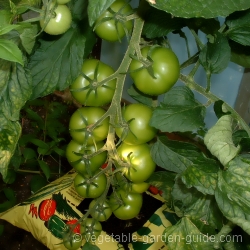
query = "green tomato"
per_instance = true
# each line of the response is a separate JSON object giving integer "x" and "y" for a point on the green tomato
{"x": 72, "y": 241}
{"x": 59, "y": 20}
{"x": 140, "y": 160}
{"x": 79, "y": 163}
{"x": 140, "y": 131}
{"x": 166, "y": 70}
{"x": 102, "y": 210}
{"x": 140, "y": 187}
{"x": 63, "y": 1}
{"x": 112, "y": 30}
{"x": 88, "y": 188}
{"x": 91, "y": 229}
{"x": 82, "y": 119}
{"x": 125, "y": 205}
{"x": 93, "y": 95}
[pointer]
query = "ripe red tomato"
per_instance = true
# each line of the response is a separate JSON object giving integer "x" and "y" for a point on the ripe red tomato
{"x": 82, "y": 119}
{"x": 89, "y": 93}
{"x": 166, "y": 70}
{"x": 59, "y": 19}
{"x": 113, "y": 30}
{"x": 125, "y": 205}
{"x": 140, "y": 160}
{"x": 140, "y": 131}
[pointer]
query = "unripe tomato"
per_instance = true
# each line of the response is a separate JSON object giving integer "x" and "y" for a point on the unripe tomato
{"x": 166, "y": 70}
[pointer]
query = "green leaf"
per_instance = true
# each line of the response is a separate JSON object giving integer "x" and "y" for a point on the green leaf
{"x": 96, "y": 8}
{"x": 89, "y": 246}
{"x": 7, "y": 28}
{"x": 197, "y": 206}
{"x": 28, "y": 36}
{"x": 215, "y": 56}
{"x": 200, "y": 8}
{"x": 233, "y": 192}
{"x": 78, "y": 10}
{"x": 239, "y": 28}
{"x": 9, "y": 51}
{"x": 5, "y": 16}
{"x": 10, "y": 133}
{"x": 57, "y": 62}
{"x": 15, "y": 88}
{"x": 159, "y": 23}
{"x": 11, "y": 197}
{"x": 219, "y": 140}
{"x": 202, "y": 175}
{"x": 185, "y": 236}
{"x": 140, "y": 97}
{"x": 164, "y": 181}
{"x": 178, "y": 112}
{"x": 11, "y": 176}
{"x": 37, "y": 182}
{"x": 29, "y": 153}
{"x": 45, "y": 168}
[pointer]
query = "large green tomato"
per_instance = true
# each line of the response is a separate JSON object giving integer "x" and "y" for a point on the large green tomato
{"x": 63, "y": 1}
{"x": 140, "y": 131}
{"x": 140, "y": 160}
{"x": 81, "y": 121}
{"x": 102, "y": 210}
{"x": 113, "y": 30}
{"x": 80, "y": 164}
{"x": 59, "y": 22}
{"x": 88, "y": 188}
{"x": 125, "y": 205}
{"x": 72, "y": 241}
{"x": 91, "y": 229}
{"x": 166, "y": 70}
{"x": 94, "y": 95}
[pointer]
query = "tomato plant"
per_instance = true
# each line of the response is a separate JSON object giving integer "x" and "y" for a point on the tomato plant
{"x": 89, "y": 187}
{"x": 140, "y": 163}
{"x": 57, "y": 21}
{"x": 91, "y": 229}
{"x": 125, "y": 205}
{"x": 82, "y": 121}
{"x": 76, "y": 152}
{"x": 111, "y": 25}
{"x": 202, "y": 178}
{"x": 100, "y": 211}
{"x": 137, "y": 130}
{"x": 165, "y": 70}
{"x": 74, "y": 225}
{"x": 87, "y": 89}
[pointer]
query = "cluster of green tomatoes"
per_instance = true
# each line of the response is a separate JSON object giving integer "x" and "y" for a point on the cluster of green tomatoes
{"x": 112, "y": 169}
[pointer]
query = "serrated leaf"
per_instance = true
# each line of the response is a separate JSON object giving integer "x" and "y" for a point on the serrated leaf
{"x": 15, "y": 88}
{"x": 45, "y": 168}
{"x": 96, "y": 8}
{"x": 219, "y": 140}
{"x": 185, "y": 236}
{"x": 140, "y": 97}
{"x": 159, "y": 23}
{"x": 197, "y": 206}
{"x": 233, "y": 192}
{"x": 164, "y": 181}
{"x": 9, "y": 51}
{"x": 11, "y": 197}
{"x": 37, "y": 182}
{"x": 56, "y": 63}
{"x": 178, "y": 112}
{"x": 239, "y": 28}
{"x": 10, "y": 133}
{"x": 215, "y": 56}
{"x": 202, "y": 175}
{"x": 200, "y": 8}
{"x": 7, "y": 28}
{"x": 39, "y": 143}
